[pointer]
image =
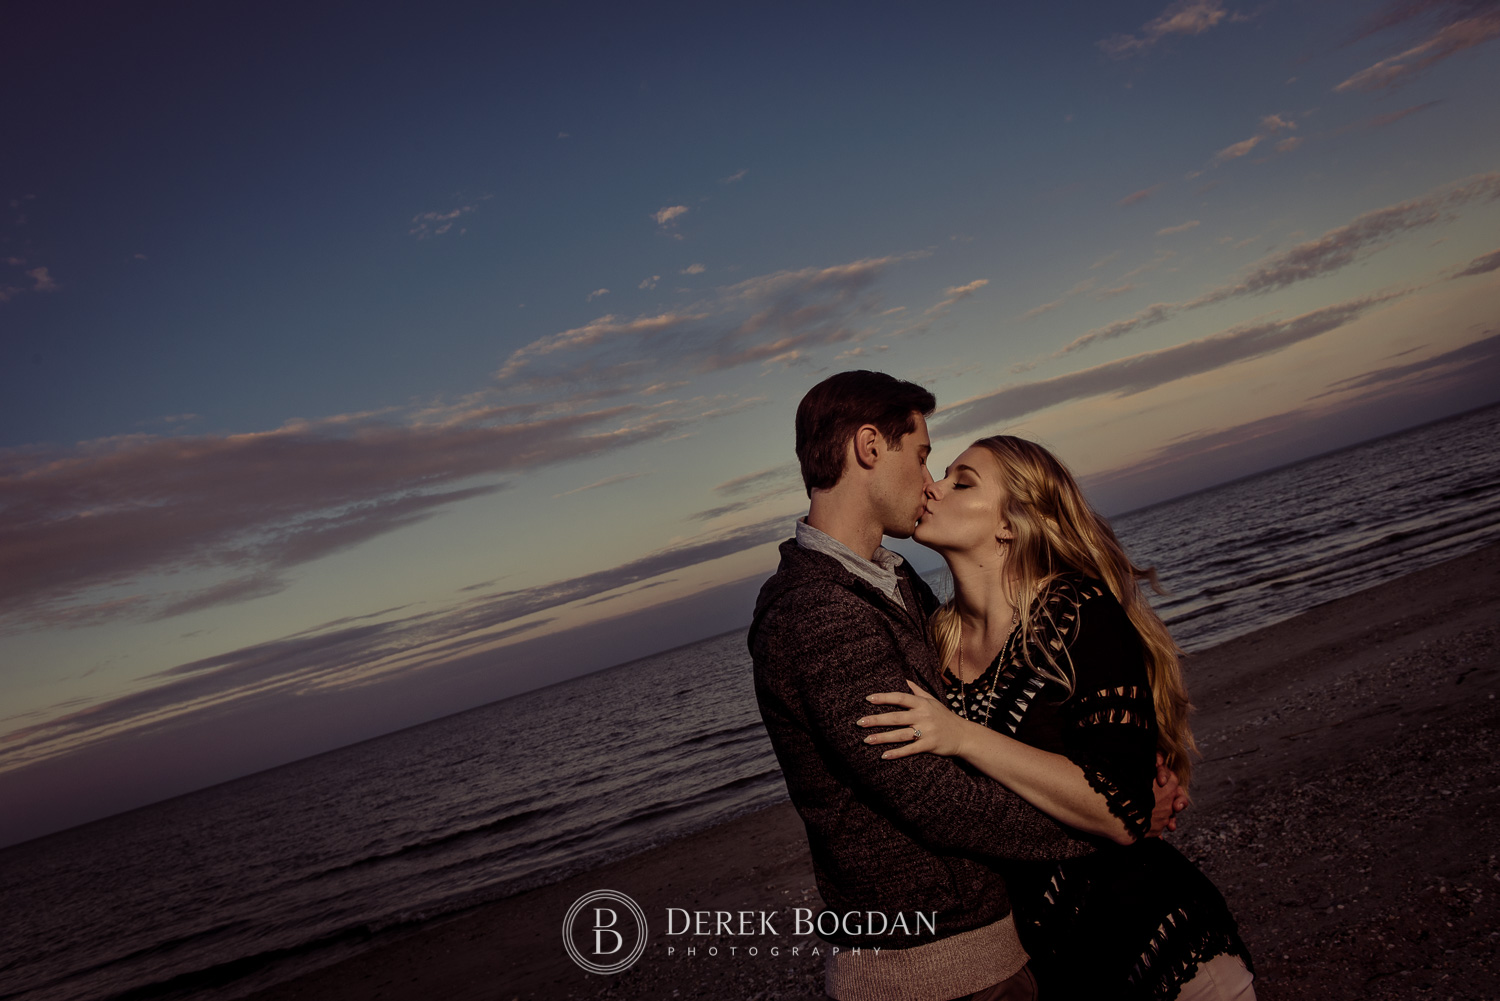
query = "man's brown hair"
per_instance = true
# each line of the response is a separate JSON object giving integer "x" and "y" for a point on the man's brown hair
{"x": 835, "y": 408}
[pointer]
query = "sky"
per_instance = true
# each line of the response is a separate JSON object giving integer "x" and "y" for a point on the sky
{"x": 364, "y": 363}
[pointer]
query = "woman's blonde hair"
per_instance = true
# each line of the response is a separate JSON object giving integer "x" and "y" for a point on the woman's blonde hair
{"x": 1056, "y": 530}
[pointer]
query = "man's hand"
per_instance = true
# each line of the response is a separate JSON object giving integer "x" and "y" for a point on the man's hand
{"x": 1170, "y": 800}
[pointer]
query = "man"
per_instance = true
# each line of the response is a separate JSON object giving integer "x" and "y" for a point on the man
{"x": 841, "y": 618}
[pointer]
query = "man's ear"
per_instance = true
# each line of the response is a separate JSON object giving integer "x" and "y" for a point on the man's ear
{"x": 867, "y": 445}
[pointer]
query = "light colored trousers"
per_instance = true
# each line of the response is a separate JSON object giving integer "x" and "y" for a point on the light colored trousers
{"x": 1223, "y": 978}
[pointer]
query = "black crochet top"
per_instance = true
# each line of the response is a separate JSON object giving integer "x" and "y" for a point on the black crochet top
{"x": 1130, "y": 921}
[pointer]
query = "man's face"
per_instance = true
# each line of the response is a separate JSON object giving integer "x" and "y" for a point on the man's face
{"x": 901, "y": 478}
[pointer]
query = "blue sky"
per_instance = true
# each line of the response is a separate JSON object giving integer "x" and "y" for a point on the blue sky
{"x": 364, "y": 363}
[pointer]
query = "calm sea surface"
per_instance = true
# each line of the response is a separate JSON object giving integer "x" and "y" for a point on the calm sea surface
{"x": 224, "y": 891}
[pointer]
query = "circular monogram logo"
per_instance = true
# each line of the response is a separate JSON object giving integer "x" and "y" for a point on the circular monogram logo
{"x": 605, "y": 931}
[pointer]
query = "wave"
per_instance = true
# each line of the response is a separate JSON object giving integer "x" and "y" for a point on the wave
{"x": 509, "y": 820}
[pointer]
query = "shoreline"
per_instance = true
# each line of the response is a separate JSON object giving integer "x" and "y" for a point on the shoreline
{"x": 1347, "y": 805}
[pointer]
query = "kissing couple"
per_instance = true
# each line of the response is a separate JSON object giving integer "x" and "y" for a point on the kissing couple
{"x": 1002, "y": 764}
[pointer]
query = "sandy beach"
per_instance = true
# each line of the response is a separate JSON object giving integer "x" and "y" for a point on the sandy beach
{"x": 1348, "y": 806}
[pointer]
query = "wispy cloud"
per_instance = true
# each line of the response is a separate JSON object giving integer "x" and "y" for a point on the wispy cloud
{"x": 1180, "y": 228}
{"x": 1270, "y": 127}
{"x": 957, "y": 294}
{"x": 1481, "y": 265}
{"x": 608, "y": 481}
{"x": 1482, "y": 353}
{"x": 1465, "y": 25}
{"x": 693, "y": 269}
{"x": 1183, "y": 17}
{"x": 1078, "y": 289}
{"x": 738, "y": 175}
{"x": 358, "y": 655}
{"x": 42, "y": 280}
{"x": 770, "y": 319}
{"x": 596, "y": 294}
{"x": 243, "y": 509}
{"x": 667, "y": 214}
{"x": 1391, "y": 117}
{"x": 1311, "y": 259}
{"x": 1141, "y": 372}
{"x": 425, "y": 225}
{"x": 650, "y": 282}
{"x": 786, "y": 472}
{"x": 1136, "y": 197}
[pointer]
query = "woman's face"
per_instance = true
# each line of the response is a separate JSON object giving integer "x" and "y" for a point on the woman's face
{"x": 963, "y": 510}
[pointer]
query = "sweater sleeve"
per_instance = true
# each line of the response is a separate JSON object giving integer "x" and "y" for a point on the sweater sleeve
{"x": 826, "y": 657}
{"x": 1109, "y": 723}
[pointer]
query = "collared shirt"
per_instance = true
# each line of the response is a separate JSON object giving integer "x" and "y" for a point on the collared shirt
{"x": 881, "y": 572}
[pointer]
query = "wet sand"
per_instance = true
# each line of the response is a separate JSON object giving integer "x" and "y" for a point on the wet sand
{"x": 1348, "y": 805}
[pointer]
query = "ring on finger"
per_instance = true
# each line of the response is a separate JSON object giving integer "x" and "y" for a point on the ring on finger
{"x": 915, "y": 733}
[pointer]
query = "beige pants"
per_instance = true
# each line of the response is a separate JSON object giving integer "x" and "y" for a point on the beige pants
{"x": 1223, "y": 978}
{"x": 1020, "y": 986}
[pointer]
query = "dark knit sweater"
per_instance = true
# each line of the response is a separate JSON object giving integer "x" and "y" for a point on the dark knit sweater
{"x": 920, "y": 833}
{"x": 1129, "y": 922}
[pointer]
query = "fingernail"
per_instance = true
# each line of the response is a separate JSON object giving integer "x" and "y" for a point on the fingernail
{"x": 887, "y": 754}
{"x": 859, "y": 722}
{"x": 869, "y": 740}
{"x": 869, "y": 698}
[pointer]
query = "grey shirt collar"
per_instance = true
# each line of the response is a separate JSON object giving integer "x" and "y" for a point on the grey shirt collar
{"x": 881, "y": 573}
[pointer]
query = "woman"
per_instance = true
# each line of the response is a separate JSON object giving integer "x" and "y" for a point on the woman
{"x": 1063, "y": 684}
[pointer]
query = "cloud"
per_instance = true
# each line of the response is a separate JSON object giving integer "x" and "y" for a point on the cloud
{"x": 738, "y": 175}
{"x": 603, "y": 330}
{"x": 1457, "y": 35}
{"x": 1183, "y": 17}
{"x": 564, "y": 135}
{"x": 649, "y": 283}
{"x": 693, "y": 269}
{"x": 1481, "y": 265}
{"x": 608, "y": 481}
{"x": 1335, "y": 249}
{"x": 1138, "y": 373}
{"x": 762, "y": 485}
{"x": 1483, "y": 353}
{"x": 596, "y": 294}
{"x": 1390, "y": 117}
{"x": 44, "y": 281}
{"x": 1138, "y": 196}
{"x": 667, "y": 214}
{"x": 771, "y": 319}
{"x": 749, "y": 481}
{"x": 1110, "y": 293}
{"x": 199, "y": 520}
{"x": 1270, "y": 127}
{"x": 957, "y": 294}
{"x": 735, "y": 507}
{"x": 358, "y": 655}
{"x": 425, "y": 225}
{"x": 1237, "y": 150}
{"x": 1181, "y": 228}
{"x": 1047, "y": 307}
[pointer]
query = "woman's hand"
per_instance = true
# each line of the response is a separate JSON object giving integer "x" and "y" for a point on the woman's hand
{"x": 941, "y": 731}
